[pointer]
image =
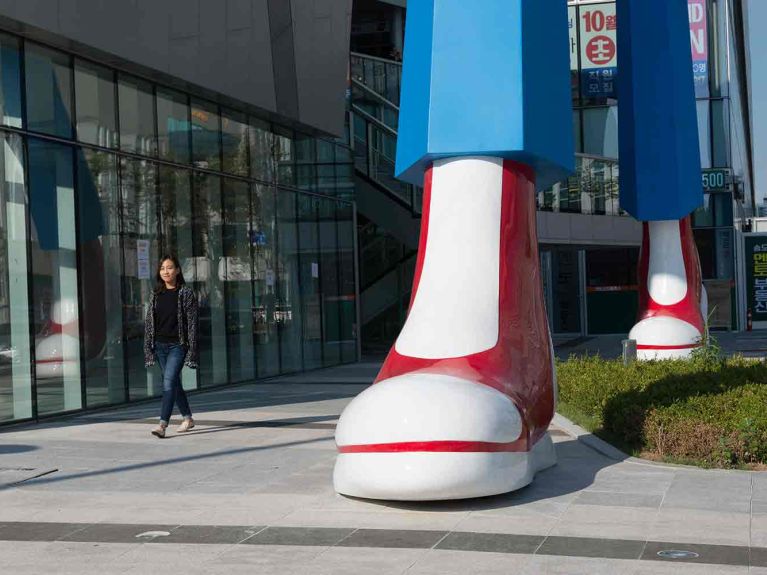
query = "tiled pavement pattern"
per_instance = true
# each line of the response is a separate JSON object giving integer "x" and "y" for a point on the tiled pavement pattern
{"x": 249, "y": 491}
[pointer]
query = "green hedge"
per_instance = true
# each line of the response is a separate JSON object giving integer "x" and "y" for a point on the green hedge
{"x": 701, "y": 411}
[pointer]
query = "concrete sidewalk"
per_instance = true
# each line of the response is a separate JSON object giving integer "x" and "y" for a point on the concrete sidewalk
{"x": 249, "y": 491}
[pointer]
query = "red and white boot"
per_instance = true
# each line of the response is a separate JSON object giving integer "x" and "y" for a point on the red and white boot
{"x": 671, "y": 299}
{"x": 462, "y": 404}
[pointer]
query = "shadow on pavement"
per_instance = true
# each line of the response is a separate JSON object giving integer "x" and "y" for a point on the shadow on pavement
{"x": 16, "y": 448}
{"x": 577, "y": 466}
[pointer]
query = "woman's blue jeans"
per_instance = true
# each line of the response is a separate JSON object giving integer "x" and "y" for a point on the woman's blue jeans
{"x": 170, "y": 356}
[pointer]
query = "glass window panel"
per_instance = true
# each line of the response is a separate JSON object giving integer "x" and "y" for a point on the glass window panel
{"x": 49, "y": 91}
{"x": 55, "y": 300}
{"x": 720, "y": 132}
{"x": 173, "y": 126}
{"x": 600, "y": 131}
{"x": 176, "y": 232}
{"x": 141, "y": 253}
{"x": 325, "y": 152}
{"x": 289, "y": 305}
{"x": 284, "y": 156}
{"x": 235, "y": 139}
{"x": 95, "y": 105}
{"x": 304, "y": 149}
{"x": 206, "y": 135}
{"x": 703, "y": 216}
{"x": 100, "y": 277}
{"x": 10, "y": 81}
{"x": 722, "y": 210}
{"x": 704, "y": 140}
{"x": 261, "y": 151}
{"x": 329, "y": 282}
{"x": 266, "y": 316}
{"x": 347, "y": 298}
{"x": 704, "y": 239}
{"x": 208, "y": 280}
{"x": 137, "y": 126}
{"x": 15, "y": 356}
{"x": 577, "y": 130}
{"x": 306, "y": 177}
{"x": 238, "y": 274}
{"x": 309, "y": 248}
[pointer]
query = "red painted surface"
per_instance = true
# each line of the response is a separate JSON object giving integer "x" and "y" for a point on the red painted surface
{"x": 520, "y": 363}
{"x": 436, "y": 447}
{"x": 689, "y": 308}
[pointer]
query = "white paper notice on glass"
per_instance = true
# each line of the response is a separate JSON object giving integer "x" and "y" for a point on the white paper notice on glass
{"x": 315, "y": 270}
{"x": 142, "y": 258}
{"x": 269, "y": 277}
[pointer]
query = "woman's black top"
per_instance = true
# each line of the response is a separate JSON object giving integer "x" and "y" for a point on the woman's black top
{"x": 166, "y": 316}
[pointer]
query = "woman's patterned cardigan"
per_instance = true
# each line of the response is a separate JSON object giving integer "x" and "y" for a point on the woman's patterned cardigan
{"x": 187, "y": 327}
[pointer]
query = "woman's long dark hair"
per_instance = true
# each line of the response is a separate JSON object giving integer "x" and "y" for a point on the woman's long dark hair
{"x": 159, "y": 284}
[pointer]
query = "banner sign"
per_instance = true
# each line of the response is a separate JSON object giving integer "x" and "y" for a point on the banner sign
{"x": 756, "y": 275}
{"x": 599, "y": 50}
{"x": 699, "y": 43}
{"x": 598, "y": 27}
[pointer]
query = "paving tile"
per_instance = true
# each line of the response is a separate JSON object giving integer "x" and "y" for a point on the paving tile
{"x": 116, "y": 533}
{"x": 560, "y": 565}
{"x": 445, "y": 562}
{"x": 618, "y": 499}
{"x": 409, "y": 539}
{"x": 20, "y": 531}
{"x": 706, "y": 526}
{"x": 209, "y": 534}
{"x": 584, "y": 547}
{"x": 308, "y": 536}
{"x": 351, "y": 561}
{"x": 596, "y": 521}
{"x": 711, "y": 554}
{"x": 491, "y": 542}
{"x": 758, "y": 557}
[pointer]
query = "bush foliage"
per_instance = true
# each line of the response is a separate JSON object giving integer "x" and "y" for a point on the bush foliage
{"x": 705, "y": 411}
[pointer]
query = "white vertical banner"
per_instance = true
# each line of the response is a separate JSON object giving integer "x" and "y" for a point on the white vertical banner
{"x": 599, "y": 50}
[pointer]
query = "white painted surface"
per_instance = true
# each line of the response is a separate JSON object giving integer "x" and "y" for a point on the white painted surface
{"x": 428, "y": 407}
{"x": 455, "y": 311}
{"x": 666, "y": 282}
{"x": 437, "y": 476}
{"x": 664, "y": 330}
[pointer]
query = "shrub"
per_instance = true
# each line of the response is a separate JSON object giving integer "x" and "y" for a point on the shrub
{"x": 705, "y": 410}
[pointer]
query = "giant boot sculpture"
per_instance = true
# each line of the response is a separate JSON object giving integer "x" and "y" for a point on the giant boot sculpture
{"x": 463, "y": 401}
{"x": 660, "y": 181}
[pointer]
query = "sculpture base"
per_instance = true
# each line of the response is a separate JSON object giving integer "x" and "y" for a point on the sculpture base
{"x": 425, "y": 476}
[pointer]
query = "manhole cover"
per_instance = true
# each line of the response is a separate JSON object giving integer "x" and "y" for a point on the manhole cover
{"x": 152, "y": 534}
{"x": 677, "y": 554}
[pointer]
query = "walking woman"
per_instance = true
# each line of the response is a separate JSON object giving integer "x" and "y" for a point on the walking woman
{"x": 170, "y": 335}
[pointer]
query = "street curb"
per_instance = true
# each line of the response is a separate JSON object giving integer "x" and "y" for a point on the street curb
{"x": 591, "y": 440}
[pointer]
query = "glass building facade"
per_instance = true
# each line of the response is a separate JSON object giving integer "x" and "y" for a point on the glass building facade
{"x": 102, "y": 173}
{"x": 594, "y": 188}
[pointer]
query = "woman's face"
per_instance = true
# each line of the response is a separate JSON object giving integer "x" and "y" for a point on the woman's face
{"x": 168, "y": 272}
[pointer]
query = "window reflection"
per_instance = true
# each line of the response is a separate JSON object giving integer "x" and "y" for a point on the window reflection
{"x": 173, "y": 126}
{"x": 15, "y": 368}
{"x": 235, "y": 141}
{"x": 54, "y": 277}
{"x": 265, "y": 281}
{"x": 206, "y": 135}
{"x": 137, "y": 126}
{"x": 310, "y": 273}
{"x": 238, "y": 273}
{"x": 10, "y": 81}
{"x": 141, "y": 248}
{"x": 95, "y": 105}
{"x": 289, "y": 305}
{"x": 49, "y": 91}
{"x": 208, "y": 280}
{"x": 100, "y": 277}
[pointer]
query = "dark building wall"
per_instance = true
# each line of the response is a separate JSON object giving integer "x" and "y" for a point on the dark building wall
{"x": 287, "y": 57}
